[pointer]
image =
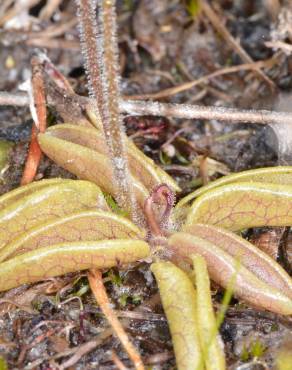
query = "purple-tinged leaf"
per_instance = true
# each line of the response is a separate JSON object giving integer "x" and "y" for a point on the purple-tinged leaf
{"x": 222, "y": 268}
{"x": 255, "y": 260}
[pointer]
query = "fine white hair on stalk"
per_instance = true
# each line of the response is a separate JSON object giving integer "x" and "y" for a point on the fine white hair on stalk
{"x": 100, "y": 50}
{"x": 185, "y": 111}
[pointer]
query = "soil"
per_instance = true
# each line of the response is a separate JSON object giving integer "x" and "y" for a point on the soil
{"x": 162, "y": 44}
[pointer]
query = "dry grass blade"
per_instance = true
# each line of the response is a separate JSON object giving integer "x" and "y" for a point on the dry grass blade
{"x": 254, "y": 66}
{"x": 56, "y": 43}
{"x": 19, "y": 7}
{"x": 50, "y": 7}
{"x": 117, "y": 361}
{"x": 273, "y": 8}
{"x": 98, "y": 289}
{"x": 223, "y": 31}
{"x": 5, "y": 4}
{"x": 284, "y": 46}
{"x": 82, "y": 350}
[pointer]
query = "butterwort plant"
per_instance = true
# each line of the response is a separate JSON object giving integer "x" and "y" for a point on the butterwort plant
{"x": 52, "y": 227}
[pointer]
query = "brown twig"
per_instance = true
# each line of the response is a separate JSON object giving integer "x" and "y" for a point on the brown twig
{"x": 56, "y": 30}
{"x": 5, "y": 4}
{"x": 53, "y": 43}
{"x": 36, "y": 341}
{"x": 11, "y": 302}
{"x": 223, "y": 31}
{"x": 18, "y": 8}
{"x": 49, "y": 9}
{"x": 98, "y": 289}
{"x": 59, "y": 79}
{"x": 204, "y": 79}
{"x": 273, "y": 8}
{"x": 280, "y": 45}
{"x": 76, "y": 352}
{"x": 158, "y": 358}
{"x": 117, "y": 361}
{"x": 81, "y": 351}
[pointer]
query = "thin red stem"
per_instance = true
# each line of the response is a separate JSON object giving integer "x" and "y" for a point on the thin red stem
{"x": 39, "y": 114}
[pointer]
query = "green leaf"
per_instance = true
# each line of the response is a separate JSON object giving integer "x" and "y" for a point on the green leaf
{"x": 114, "y": 206}
{"x": 242, "y": 205}
{"x": 178, "y": 298}
{"x": 80, "y": 226}
{"x": 284, "y": 359}
{"x": 211, "y": 343}
{"x": 193, "y": 7}
{"x": 257, "y": 349}
{"x": 83, "y": 290}
{"x": 3, "y": 364}
{"x": 244, "y": 356}
{"x": 114, "y": 278}
{"x": 20, "y": 192}
{"x": 272, "y": 175}
{"x": 141, "y": 167}
{"x": 60, "y": 259}
{"x": 123, "y": 299}
{"x": 43, "y": 203}
{"x": 5, "y": 147}
{"x": 87, "y": 164}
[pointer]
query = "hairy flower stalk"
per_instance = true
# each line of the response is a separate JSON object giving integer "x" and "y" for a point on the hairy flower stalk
{"x": 99, "y": 46}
